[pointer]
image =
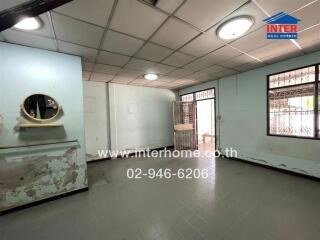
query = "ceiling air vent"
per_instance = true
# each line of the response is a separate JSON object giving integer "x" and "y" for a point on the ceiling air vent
{"x": 151, "y": 2}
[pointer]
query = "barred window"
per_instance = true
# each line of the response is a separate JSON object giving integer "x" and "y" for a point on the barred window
{"x": 206, "y": 94}
{"x": 187, "y": 97}
{"x": 293, "y": 103}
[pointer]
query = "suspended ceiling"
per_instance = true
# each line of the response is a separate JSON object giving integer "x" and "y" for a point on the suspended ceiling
{"x": 121, "y": 40}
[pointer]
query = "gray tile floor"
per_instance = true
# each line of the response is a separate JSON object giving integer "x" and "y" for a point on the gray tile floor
{"x": 237, "y": 201}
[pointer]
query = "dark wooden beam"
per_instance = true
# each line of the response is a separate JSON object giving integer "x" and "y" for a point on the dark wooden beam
{"x": 11, "y": 16}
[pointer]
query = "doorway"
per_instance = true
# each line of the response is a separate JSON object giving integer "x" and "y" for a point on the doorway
{"x": 205, "y": 118}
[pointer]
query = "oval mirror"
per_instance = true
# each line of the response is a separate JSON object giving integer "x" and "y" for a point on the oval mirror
{"x": 40, "y": 107}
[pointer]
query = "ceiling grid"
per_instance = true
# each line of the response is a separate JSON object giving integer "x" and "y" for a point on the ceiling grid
{"x": 120, "y": 40}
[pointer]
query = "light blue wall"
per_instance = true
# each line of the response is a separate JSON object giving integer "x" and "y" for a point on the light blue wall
{"x": 140, "y": 117}
{"x": 51, "y": 166}
{"x": 242, "y": 103}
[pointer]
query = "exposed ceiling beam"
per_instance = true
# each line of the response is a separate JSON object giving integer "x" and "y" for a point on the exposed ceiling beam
{"x": 11, "y": 16}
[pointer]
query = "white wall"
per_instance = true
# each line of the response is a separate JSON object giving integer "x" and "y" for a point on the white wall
{"x": 242, "y": 103}
{"x": 140, "y": 117}
{"x": 96, "y": 110}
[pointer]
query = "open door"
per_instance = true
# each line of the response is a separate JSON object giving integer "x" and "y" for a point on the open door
{"x": 202, "y": 108}
{"x": 185, "y": 127}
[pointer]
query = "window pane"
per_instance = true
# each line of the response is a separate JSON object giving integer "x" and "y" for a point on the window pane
{"x": 291, "y": 111}
{"x": 187, "y": 98}
{"x": 292, "y": 78}
{"x": 205, "y": 94}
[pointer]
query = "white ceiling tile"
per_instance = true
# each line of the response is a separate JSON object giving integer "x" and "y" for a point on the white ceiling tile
{"x": 249, "y": 66}
{"x": 285, "y": 56}
{"x": 154, "y": 52}
{"x": 226, "y": 73}
{"x": 130, "y": 73}
{"x": 309, "y": 16}
{"x": 112, "y": 59}
{"x": 136, "y": 18}
{"x": 180, "y": 72}
{"x": 45, "y": 30}
{"x": 199, "y": 64}
{"x": 215, "y": 57}
{"x": 276, "y": 51}
{"x": 197, "y": 75}
{"x": 93, "y": 11}
{"x": 253, "y": 40}
{"x": 174, "y": 34}
{"x": 87, "y": 66}
{"x": 169, "y": 6}
{"x": 121, "y": 43}
{"x": 139, "y": 81}
{"x": 276, "y": 6}
{"x": 101, "y": 77}
{"x": 207, "y": 78}
{"x": 206, "y": 13}
{"x": 85, "y": 75}
{"x": 222, "y": 54}
{"x": 166, "y": 79}
{"x": 138, "y": 64}
{"x": 178, "y": 59}
{"x": 155, "y": 83}
{"x": 74, "y": 31}
{"x": 249, "y": 9}
{"x": 127, "y": 75}
{"x": 237, "y": 61}
{"x": 121, "y": 80}
{"x": 6, "y": 4}
{"x": 173, "y": 84}
{"x": 202, "y": 45}
{"x": 186, "y": 81}
{"x": 309, "y": 39}
{"x": 213, "y": 70}
{"x": 30, "y": 40}
{"x": 103, "y": 68}
{"x": 87, "y": 54}
{"x": 160, "y": 69}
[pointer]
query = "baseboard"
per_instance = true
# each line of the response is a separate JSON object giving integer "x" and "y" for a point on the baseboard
{"x": 276, "y": 169}
{"x": 129, "y": 155}
{"x": 29, "y": 205}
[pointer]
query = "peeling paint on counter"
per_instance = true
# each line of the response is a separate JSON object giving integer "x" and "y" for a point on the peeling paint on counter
{"x": 25, "y": 179}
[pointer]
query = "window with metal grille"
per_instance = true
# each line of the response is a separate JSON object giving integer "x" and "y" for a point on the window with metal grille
{"x": 206, "y": 94}
{"x": 197, "y": 96}
{"x": 293, "y": 103}
{"x": 187, "y": 98}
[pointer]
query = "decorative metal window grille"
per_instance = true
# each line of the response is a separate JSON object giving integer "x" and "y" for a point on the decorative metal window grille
{"x": 293, "y": 103}
{"x": 206, "y": 94}
{"x": 197, "y": 96}
{"x": 187, "y": 98}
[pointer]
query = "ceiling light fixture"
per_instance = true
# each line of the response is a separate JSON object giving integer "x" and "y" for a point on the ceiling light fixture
{"x": 29, "y": 24}
{"x": 151, "y": 76}
{"x": 235, "y": 27}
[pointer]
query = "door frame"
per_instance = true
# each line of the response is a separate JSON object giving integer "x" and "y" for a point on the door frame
{"x": 215, "y": 112}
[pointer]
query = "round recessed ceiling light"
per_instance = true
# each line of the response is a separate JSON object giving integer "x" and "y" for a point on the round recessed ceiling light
{"x": 234, "y": 27}
{"x": 151, "y": 76}
{"x": 32, "y": 23}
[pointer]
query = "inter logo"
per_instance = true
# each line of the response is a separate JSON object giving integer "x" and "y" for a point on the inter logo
{"x": 282, "y": 26}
